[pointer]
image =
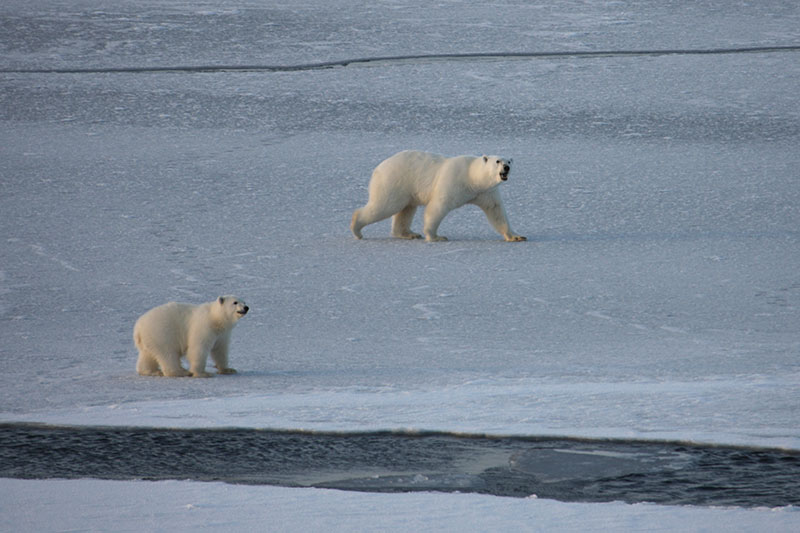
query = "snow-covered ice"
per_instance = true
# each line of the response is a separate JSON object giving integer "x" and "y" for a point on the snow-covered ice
{"x": 658, "y": 296}
{"x": 92, "y": 505}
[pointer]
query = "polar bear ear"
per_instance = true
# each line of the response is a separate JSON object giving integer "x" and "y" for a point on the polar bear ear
{"x": 221, "y": 300}
{"x": 485, "y": 159}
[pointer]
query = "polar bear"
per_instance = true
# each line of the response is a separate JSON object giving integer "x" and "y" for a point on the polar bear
{"x": 168, "y": 332}
{"x": 409, "y": 179}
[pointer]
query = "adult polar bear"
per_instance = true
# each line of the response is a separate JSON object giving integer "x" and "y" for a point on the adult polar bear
{"x": 409, "y": 179}
{"x": 168, "y": 332}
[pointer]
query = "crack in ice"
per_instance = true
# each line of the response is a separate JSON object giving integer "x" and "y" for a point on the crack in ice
{"x": 411, "y": 58}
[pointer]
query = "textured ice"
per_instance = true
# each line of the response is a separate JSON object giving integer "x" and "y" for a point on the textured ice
{"x": 658, "y": 295}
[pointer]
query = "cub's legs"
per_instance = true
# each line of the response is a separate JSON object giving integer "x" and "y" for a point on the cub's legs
{"x": 157, "y": 360}
{"x": 152, "y": 364}
{"x": 171, "y": 367}
{"x": 147, "y": 364}
{"x": 197, "y": 356}
{"x": 219, "y": 354}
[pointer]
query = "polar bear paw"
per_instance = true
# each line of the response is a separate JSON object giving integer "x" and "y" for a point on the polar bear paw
{"x": 174, "y": 373}
{"x": 515, "y": 238}
{"x": 226, "y": 371}
{"x": 409, "y": 235}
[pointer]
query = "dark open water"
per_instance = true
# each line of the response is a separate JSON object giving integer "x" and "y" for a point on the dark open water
{"x": 561, "y": 469}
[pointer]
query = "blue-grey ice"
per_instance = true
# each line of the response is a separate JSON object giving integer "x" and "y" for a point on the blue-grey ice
{"x": 658, "y": 295}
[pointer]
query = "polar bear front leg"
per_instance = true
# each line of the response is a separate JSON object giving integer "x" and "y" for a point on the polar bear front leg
{"x": 219, "y": 354}
{"x": 492, "y": 206}
{"x": 197, "y": 357}
{"x": 434, "y": 214}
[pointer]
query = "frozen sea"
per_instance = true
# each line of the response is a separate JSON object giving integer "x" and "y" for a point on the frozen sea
{"x": 657, "y": 298}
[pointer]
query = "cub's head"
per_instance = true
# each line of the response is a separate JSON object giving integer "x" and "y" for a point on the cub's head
{"x": 233, "y": 308}
{"x": 497, "y": 167}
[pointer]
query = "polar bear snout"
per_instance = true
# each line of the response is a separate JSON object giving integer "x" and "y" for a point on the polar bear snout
{"x": 239, "y": 307}
{"x": 505, "y": 171}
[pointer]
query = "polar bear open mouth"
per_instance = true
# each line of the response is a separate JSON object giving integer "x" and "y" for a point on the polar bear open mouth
{"x": 242, "y": 312}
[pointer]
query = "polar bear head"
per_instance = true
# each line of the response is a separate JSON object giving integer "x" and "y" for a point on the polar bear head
{"x": 230, "y": 308}
{"x": 497, "y": 168}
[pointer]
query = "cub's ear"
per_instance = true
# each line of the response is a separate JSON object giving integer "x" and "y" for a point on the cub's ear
{"x": 510, "y": 161}
{"x": 485, "y": 159}
{"x": 221, "y": 300}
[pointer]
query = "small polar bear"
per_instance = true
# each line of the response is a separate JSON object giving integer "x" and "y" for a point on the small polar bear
{"x": 168, "y": 332}
{"x": 409, "y": 179}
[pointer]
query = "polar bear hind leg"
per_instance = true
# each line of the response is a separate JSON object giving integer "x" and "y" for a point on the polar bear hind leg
{"x": 401, "y": 224}
{"x": 147, "y": 364}
{"x": 375, "y": 211}
{"x": 152, "y": 364}
{"x": 386, "y": 199}
{"x": 171, "y": 366}
{"x": 356, "y": 224}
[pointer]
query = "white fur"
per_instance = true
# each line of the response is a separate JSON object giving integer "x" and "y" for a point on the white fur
{"x": 168, "y": 332}
{"x": 409, "y": 179}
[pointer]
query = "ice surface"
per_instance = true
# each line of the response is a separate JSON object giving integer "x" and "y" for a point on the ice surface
{"x": 658, "y": 295}
{"x": 186, "y": 506}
